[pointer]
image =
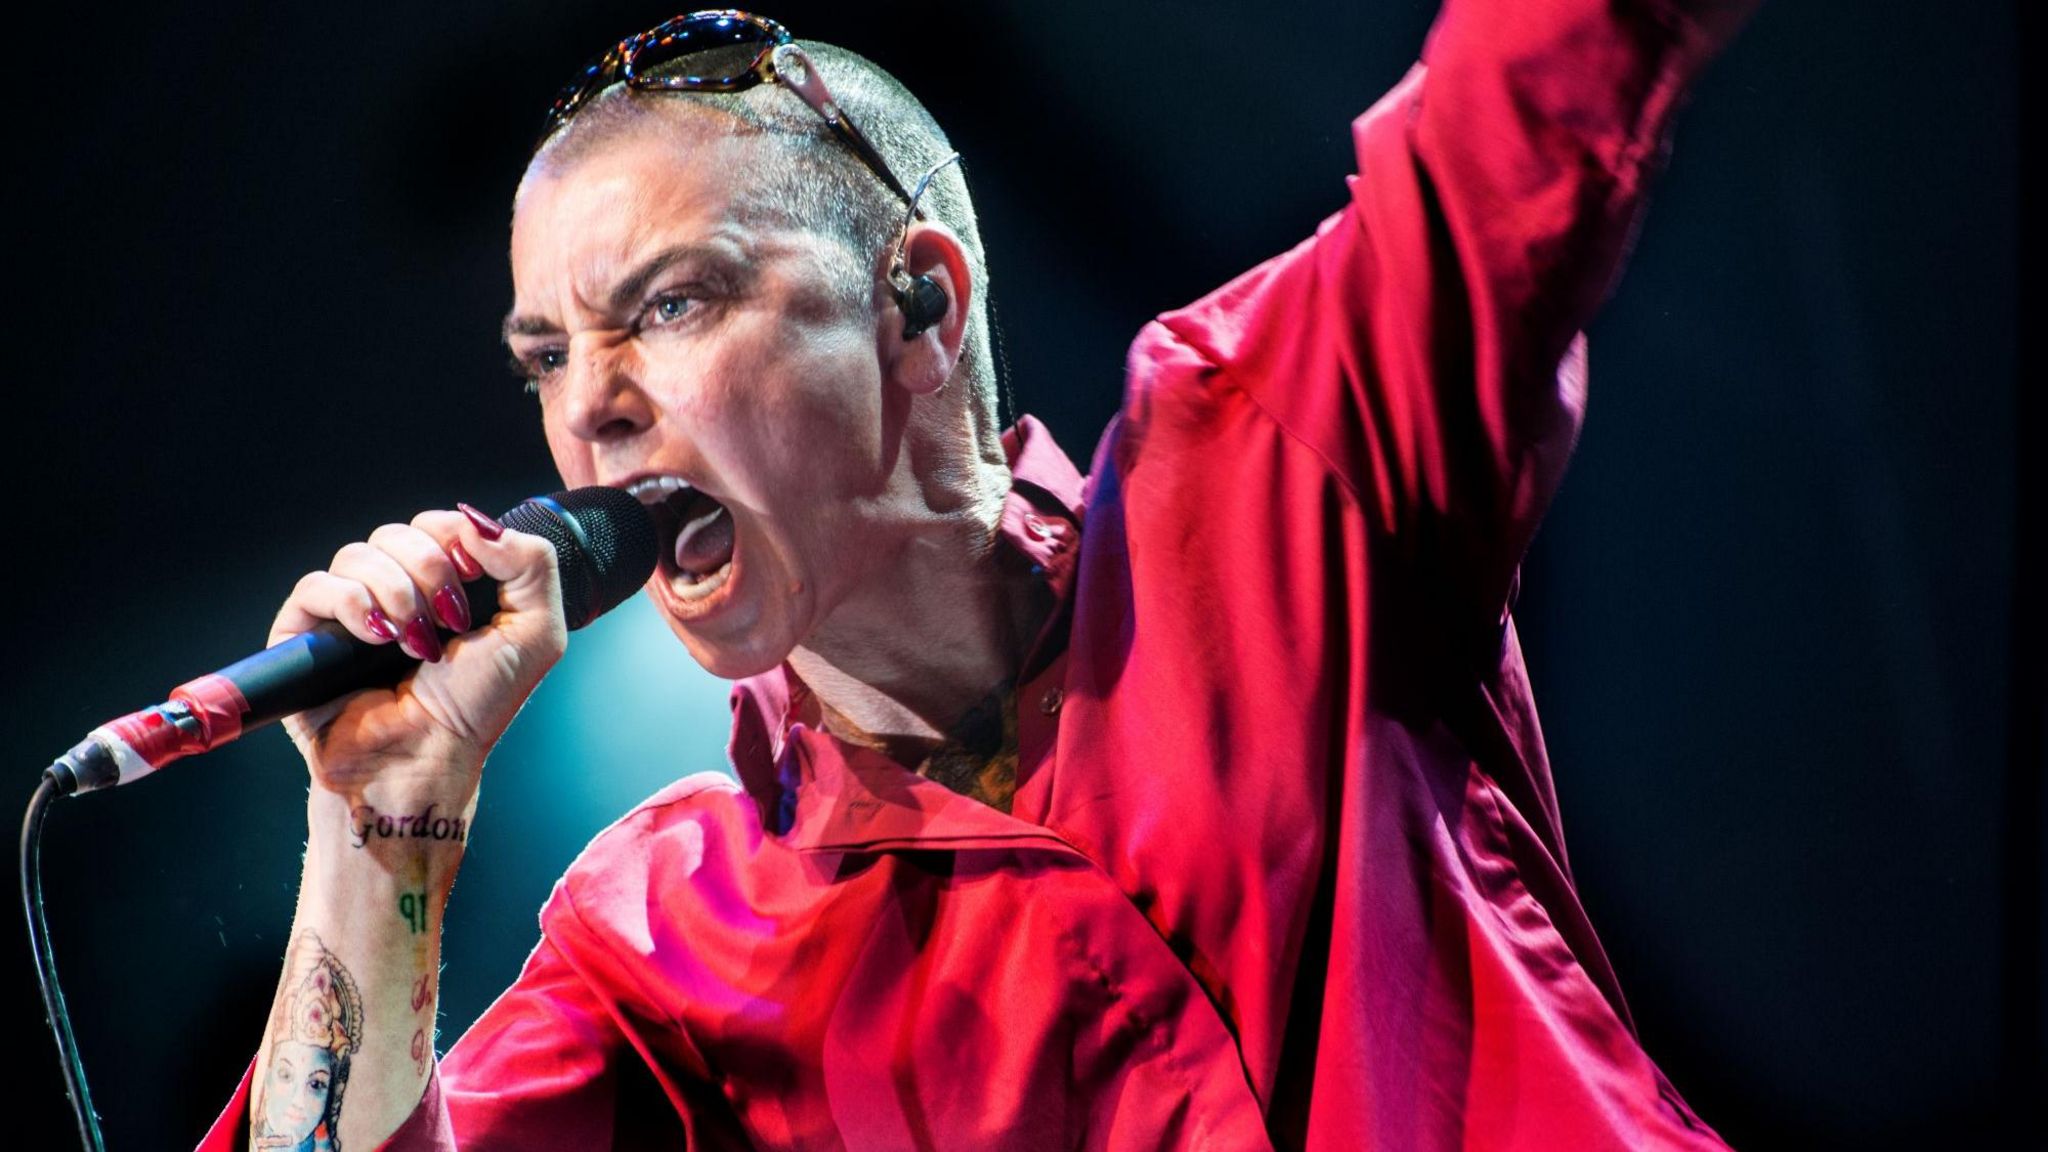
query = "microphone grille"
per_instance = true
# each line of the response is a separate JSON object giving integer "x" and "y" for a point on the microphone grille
{"x": 605, "y": 541}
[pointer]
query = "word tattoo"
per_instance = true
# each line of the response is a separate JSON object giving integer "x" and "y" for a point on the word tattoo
{"x": 365, "y": 822}
{"x": 422, "y": 991}
{"x": 315, "y": 1027}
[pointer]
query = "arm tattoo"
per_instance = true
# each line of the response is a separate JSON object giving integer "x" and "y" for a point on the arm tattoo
{"x": 412, "y": 906}
{"x": 315, "y": 1028}
{"x": 421, "y": 1045}
{"x": 366, "y": 823}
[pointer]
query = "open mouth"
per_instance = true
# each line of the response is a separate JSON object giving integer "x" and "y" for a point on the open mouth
{"x": 696, "y": 534}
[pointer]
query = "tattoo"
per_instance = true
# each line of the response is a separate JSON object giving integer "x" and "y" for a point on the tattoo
{"x": 413, "y": 906}
{"x": 422, "y": 991}
{"x": 366, "y": 822}
{"x": 315, "y": 1027}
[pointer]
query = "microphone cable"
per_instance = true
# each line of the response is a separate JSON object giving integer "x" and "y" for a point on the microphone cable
{"x": 46, "y": 966}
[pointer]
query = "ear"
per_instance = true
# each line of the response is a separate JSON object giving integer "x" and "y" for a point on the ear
{"x": 923, "y": 363}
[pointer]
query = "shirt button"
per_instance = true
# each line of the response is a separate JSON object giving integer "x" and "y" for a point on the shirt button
{"x": 1034, "y": 527}
{"x": 1051, "y": 701}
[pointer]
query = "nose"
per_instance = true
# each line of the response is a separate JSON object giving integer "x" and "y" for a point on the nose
{"x": 602, "y": 400}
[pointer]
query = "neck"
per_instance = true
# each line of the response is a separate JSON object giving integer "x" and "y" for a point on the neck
{"x": 928, "y": 637}
{"x": 900, "y": 673}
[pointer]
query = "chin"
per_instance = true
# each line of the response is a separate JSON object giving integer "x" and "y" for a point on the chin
{"x": 749, "y": 653}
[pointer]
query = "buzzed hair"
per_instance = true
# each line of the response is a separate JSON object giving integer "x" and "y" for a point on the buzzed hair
{"x": 812, "y": 181}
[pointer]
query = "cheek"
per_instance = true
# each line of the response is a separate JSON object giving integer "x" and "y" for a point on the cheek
{"x": 572, "y": 456}
{"x": 830, "y": 425}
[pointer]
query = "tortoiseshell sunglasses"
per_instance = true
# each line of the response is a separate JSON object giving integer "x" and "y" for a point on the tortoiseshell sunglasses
{"x": 770, "y": 54}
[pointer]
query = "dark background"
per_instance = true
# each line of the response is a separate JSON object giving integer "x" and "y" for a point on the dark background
{"x": 1779, "y": 620}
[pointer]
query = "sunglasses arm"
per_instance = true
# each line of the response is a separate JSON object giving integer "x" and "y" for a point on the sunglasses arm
{"x": 793, "y": 68}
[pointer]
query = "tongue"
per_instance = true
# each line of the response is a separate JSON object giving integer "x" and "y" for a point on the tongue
{"x": 704, "y": 543}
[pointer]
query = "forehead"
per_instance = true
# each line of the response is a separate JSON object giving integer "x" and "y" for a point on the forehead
{"x": 601, "y": 205}
{"x": 299, "y": 1055}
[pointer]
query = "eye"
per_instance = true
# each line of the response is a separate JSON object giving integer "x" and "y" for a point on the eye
{"x": 534, "y": 368}
{"x": 669, "y": 308}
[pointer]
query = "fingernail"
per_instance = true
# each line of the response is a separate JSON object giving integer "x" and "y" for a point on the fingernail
{"x": 490, "y": 528}
{"x": 419, "y": 641}
{"x": 465, "y": 564}
{"x": 380, "y": 625}
{"x": 452, "y": 608}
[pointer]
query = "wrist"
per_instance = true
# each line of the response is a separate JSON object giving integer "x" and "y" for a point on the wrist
{"x": 419, "y": 836}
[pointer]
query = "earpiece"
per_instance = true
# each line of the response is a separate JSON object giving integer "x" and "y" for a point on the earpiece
{"x": 922, "y": 300}
{"x": 924, "y": 304}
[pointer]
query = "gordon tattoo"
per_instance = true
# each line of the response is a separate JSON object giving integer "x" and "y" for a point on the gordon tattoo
{"x": 366, "y": 822}
{"x": 316, "y": 1028}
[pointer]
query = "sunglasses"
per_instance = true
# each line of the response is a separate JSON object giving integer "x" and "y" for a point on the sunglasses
{"x": 724, "y": 51}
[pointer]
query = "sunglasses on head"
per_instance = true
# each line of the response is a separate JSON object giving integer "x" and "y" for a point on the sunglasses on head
{"x": 717, "y": 51}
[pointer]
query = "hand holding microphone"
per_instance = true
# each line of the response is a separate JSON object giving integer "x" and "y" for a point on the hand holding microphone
{"x": 384, "y": 606}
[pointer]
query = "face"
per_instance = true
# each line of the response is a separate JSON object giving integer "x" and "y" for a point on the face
{"x": 668, "y": 338}
{"x": 295, "y": 1100}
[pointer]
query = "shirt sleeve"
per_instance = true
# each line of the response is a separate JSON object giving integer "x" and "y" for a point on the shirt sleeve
{"x": 1425, "y": 341}
{"x": 540, "y": 1070}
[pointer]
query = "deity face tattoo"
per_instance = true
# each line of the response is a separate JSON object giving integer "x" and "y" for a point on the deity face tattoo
{"x": 296, "y": 1095}
{"x": 318, "y": 1026}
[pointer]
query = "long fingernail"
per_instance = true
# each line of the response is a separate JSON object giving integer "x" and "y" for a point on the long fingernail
{"x": 380, "y": 625}
{"x": 465, "y": 564}
{"x": 452, "y": 608}
{"x": 490, "y": 528}
{"x": 419, "y": 641}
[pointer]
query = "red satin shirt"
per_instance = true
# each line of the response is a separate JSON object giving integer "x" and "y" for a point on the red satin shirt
{"x": 1284, "y": 865}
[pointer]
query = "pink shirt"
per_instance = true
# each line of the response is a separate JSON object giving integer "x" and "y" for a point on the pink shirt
{"x": 1284, "y": 865}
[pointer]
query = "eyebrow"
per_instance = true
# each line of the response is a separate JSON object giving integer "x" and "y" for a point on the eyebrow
{"x": 628, "y": 291}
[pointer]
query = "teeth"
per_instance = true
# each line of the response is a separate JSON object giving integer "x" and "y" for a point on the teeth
{"x": 696, "y": 588}
{"x": 655, "y": 489}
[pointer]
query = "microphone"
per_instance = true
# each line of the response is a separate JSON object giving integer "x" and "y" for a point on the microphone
{"x": 606, "y": 545}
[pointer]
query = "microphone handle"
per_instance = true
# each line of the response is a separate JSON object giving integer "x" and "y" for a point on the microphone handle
{"x": 326, "y": 662}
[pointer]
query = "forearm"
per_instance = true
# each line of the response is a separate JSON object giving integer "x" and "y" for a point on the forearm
{"x": 359, "y": 991}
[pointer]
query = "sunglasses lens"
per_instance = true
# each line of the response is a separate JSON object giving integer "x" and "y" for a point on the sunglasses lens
{"x": 712, "y": 51}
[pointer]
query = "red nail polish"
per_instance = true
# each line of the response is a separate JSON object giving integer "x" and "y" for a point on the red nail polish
{"x": 490, "y": 528}
{"x": 452, "y": 608}
{"x": 465, "y": 564}
{"x": 419, "y": 640}
{"x": 380, "y": 625}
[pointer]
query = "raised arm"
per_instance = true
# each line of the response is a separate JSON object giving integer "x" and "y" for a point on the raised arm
{"x": 1425, "y": 341}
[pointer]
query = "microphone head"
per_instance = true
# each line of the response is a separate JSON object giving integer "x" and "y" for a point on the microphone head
{"x": 605, "y": 540}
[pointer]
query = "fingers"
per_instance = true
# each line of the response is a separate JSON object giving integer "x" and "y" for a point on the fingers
{"x": 431, "y": 573}
{"x": 323, "y": 596}
{"x": 523, "y": 565}
{"x": 380, "y": 590}
{"x": 405, "y": 582}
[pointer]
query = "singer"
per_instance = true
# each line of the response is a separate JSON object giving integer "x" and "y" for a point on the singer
{"x": 1198, "y": 800}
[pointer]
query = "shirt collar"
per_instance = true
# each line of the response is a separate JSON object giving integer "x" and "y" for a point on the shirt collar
{"x": 827, "y": 794}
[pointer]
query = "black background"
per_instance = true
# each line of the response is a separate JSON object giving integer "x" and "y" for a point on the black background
{"x": 1779, "y": 620}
